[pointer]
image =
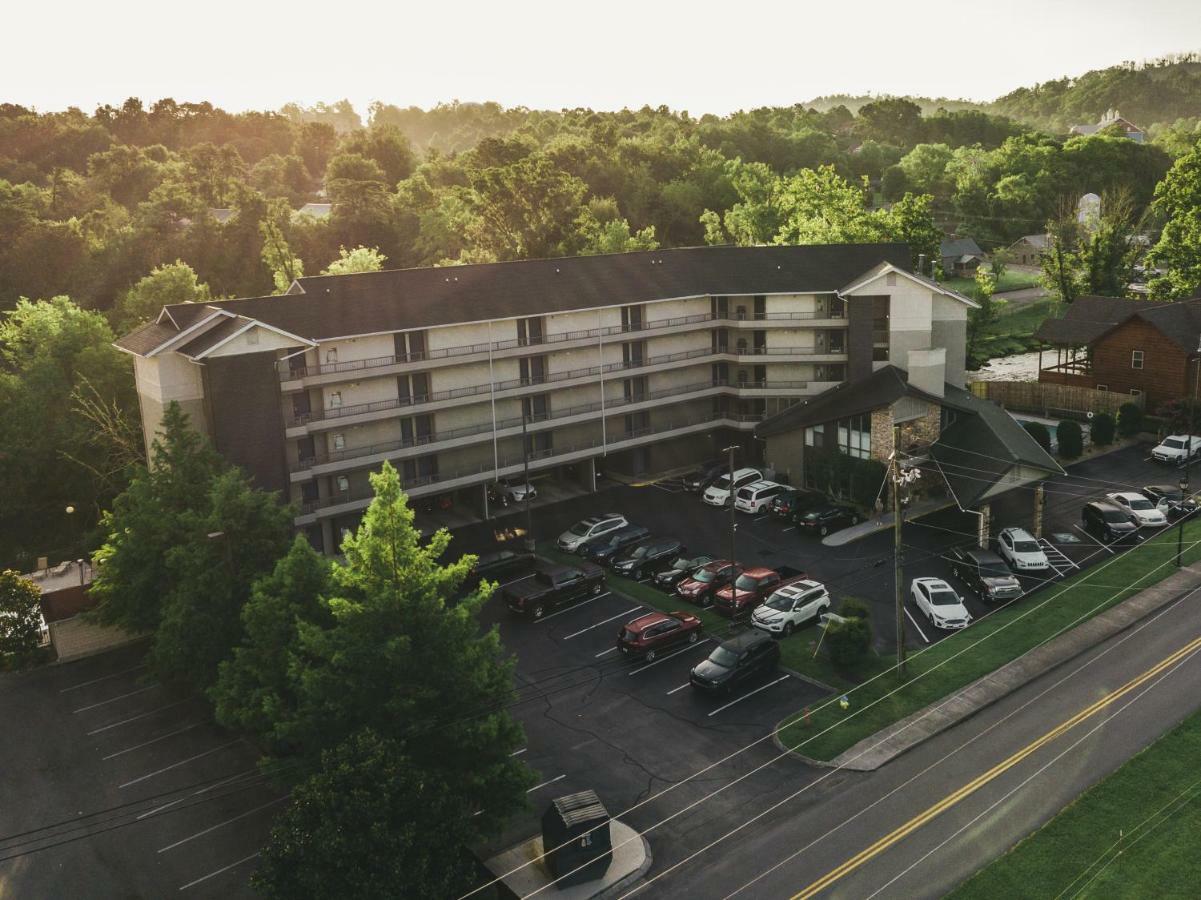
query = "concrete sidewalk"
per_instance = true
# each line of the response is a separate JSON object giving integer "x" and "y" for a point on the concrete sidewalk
{"x": 885, "y": 745}
{"x": 884, "y": 523}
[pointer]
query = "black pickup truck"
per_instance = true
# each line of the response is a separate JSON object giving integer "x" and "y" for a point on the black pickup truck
{"x": 553, "y": 586}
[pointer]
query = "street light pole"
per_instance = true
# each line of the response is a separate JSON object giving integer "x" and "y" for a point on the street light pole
{"x": 1185, "y": 484}
{"x": 733, "y": 523}
{"x": 525, "y": 492}
{"x": 898, "y": 566}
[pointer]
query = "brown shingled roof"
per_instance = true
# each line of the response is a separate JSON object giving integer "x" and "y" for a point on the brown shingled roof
{"x": 1088, "y": 318}
{"x": 145, "y": 338}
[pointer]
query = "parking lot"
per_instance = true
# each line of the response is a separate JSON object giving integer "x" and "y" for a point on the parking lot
{"x": 146, "y": 796}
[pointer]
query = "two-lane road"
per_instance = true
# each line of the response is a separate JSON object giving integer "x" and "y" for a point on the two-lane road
{"x": 927, "y": 821}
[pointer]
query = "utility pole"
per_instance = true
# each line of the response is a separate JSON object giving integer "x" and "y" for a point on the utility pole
{"x": 525, "y": 491}
{"x": 898, "y": 566}
{"x": 733, "y": 522}
{"x": 1185, "y": 484}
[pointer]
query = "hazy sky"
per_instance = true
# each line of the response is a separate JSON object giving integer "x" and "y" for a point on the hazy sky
{"x": 698, "y": 56}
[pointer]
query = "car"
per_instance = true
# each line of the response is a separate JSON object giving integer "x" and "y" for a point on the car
{"x": 719, "y": 492}
{"x": 942, "y": 606}
{"x": 791, "y": 606}
{"x": 500, "y": 566}
{"x": 827, "y": 519}
{"x": 985, "y": 573}
{"x": 1177, "y": 448}
{"x": 506, "y": 492}
{"x": 607, "y": 547}
{"x": 756, "y": 496}
{"x": 1145, "y": 513}
{"x": 647, "y": 636}
{"x": 552, "y": 587}
{"x": 1171, "y": 500}
{"x": 1108, "y": 522}
{"x": 702, "y": 585}
{"x": 1019, "y": 548}
{"x": 751, "y": 588}
{"x": 703, "y": 476}
{"x": 736, "y": 661}
{"x": 589, "y": 528}
{"x": 786, "y": 505}
{"x": 679, "y": 569}
{"x": 647, "y": 557}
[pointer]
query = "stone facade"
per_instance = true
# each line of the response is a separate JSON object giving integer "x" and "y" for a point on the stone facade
{"x": 923, "y": 431}
{"x": 882, "y": 434}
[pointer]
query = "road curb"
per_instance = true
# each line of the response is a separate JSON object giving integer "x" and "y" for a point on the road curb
{"x": 885, "y": 745}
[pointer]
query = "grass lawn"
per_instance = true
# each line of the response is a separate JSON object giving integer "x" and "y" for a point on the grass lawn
{"x": 992, "y": 641}
{"x": 1010, "y": 281}
{"x": 1133, "y": 835}
{"x": 1013, "y": 332}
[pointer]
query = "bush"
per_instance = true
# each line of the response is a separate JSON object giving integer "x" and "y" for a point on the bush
{"x": 849, "y": 641}
{"x": 1130, "y": 419}
{"x": 20, "y": 618}
{"x": 1071, "y": 439}
{"x": 1101, "y": 429}
{"x": 1040, "y": 433}
{"x": 854, "y": 609}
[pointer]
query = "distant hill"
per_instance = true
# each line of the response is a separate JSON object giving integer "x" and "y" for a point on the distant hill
{"x": 853, "y": 102}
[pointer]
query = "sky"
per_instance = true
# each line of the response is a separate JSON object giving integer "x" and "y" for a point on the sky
{"x": 696, "y": 56}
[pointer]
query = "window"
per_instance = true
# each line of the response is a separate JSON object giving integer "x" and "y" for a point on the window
{"x": 335, "y": 399}
{"x": 1136, "y": 359}
{"x": 1102, "y": 387}
{"x": 814, "y": 435}
{"x": 343, "y": 484}
{"x": 529, "y": 331}
{"x": 855, "y": 436}
{"x": 331, "y": 355}
{"x": 339, "y": 442}
{"x": 1135, "y": 392}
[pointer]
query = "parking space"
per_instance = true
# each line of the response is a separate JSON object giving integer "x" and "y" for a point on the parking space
{"x": 129, "y": 784}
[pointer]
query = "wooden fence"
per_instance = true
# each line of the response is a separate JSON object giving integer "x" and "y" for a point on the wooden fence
{"x": 1051, "y": 400}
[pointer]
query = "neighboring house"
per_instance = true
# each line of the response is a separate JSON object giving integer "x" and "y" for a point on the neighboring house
{"x": 315, "y": 210}
{"x": 1029, "y": 250}
{"x": 971, "y": 449}
{"x": 1112, "y": 117}
{"x": 635, "y": 361}
{"x": 1132, "y": 347}
{"x": 960, "y": 256}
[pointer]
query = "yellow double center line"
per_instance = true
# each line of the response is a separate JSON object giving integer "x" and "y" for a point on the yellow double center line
{"x": 980, "y": 781}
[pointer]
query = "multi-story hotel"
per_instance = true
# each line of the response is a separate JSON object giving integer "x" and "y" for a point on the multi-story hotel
{"x": 643, "y": 360}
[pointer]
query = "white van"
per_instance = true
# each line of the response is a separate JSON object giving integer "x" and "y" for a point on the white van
{"x": 755, "y": 497}
{"x": 719, "y": 493}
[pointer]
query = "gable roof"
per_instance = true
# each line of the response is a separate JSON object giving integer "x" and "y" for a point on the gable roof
{"x": 959, "y": 247}
{"x": 886, "y": 268}
{"x": 1037, "y": 241}
{"x": 1089, "y": 318}
{"x": 330, "y": 306}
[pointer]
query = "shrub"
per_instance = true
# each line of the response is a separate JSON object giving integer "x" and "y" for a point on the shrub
{"x": 1101, "y": 429}
{"x": 1130, "y": 419}
{"x": 1040, "y": 433}
{"x": 20, "y": 618}
{"x": 854, "y": 609}
{"x": 849, "y": 641}
{"x": 1071, "y": 439}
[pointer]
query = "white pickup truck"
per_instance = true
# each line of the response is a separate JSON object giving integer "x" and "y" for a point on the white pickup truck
{"x": 1177, "y": 448}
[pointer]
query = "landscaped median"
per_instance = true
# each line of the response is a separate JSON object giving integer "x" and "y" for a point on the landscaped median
{"x": 1132, "y": 835}
{"x": 941, "y": 669}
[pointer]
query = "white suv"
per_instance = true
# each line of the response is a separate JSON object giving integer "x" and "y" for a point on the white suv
{"x": 755, "y": 496}
{"x": 1021, "y": 550}
{"x": 942, "y": 606}
{"x": 587, "y": 529}
{"x": 1177, "y": 448}
{"x": 790, "y": 607}
{"x": 718, "y": 493}
{"x": 1146, "y": 513}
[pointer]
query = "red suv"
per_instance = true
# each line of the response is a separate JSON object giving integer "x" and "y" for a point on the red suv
{"x": 648, "y": 635}
{"x": 751, "y": 588}
{"x": 701, "y": 586}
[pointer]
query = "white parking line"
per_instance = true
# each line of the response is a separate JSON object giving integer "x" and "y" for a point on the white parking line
{"x": 203, "y": 790}
{"x": 152, "y": 741}
{"x": 1093, "y": 539}
{"x": 211, "y": 828}
{"x": 182, "y": 762}
{"x": 545, "y": 783}
{"x": 599, "y": 624}
{"x": 232, "y": 865}
{"x": 514, "y": 581}
{"x": 113, "y": 699}
{"x": 789, "y": 528}
{"x": 605, "y": 652}
{"x": 680, "y": 688}
{"x": 519, "y": 752}
{"x": 751, "y": 694}
{"x": 573, "y": 607}
{"x": 135, "y": 718}
{"x": 760, "y": 518}
{"x": 82, "y": 684}
{"x": 664, "y": 659}
{"x": 917, "y": 626}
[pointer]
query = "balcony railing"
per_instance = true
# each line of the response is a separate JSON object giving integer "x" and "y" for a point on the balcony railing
{"x": 365, "y": 492}
{"x": 356, "y": 365}
{"x": 616, "y": 404}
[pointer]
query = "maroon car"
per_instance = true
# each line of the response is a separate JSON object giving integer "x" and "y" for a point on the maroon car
{"x": 752, "y": 587}
{"x": 702, "y": 585}
{"x": 648, "y": 635}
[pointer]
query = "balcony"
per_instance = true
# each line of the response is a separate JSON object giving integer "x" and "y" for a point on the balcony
{"x": 380, "y": 364}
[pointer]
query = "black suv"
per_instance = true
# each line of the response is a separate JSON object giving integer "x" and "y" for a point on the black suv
{"x": 736, "y": 661}
{"x": 608, "y": 547}
{"x": 647, "y": 557}
{"x": 1108, "y": 522}
{"x": 1170, "y": 500}
{"x": 679, "y": 569}
{"x": 700, "y": 478}
{"x": 790, "y": 504}
{"x": 985, "y": 573}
